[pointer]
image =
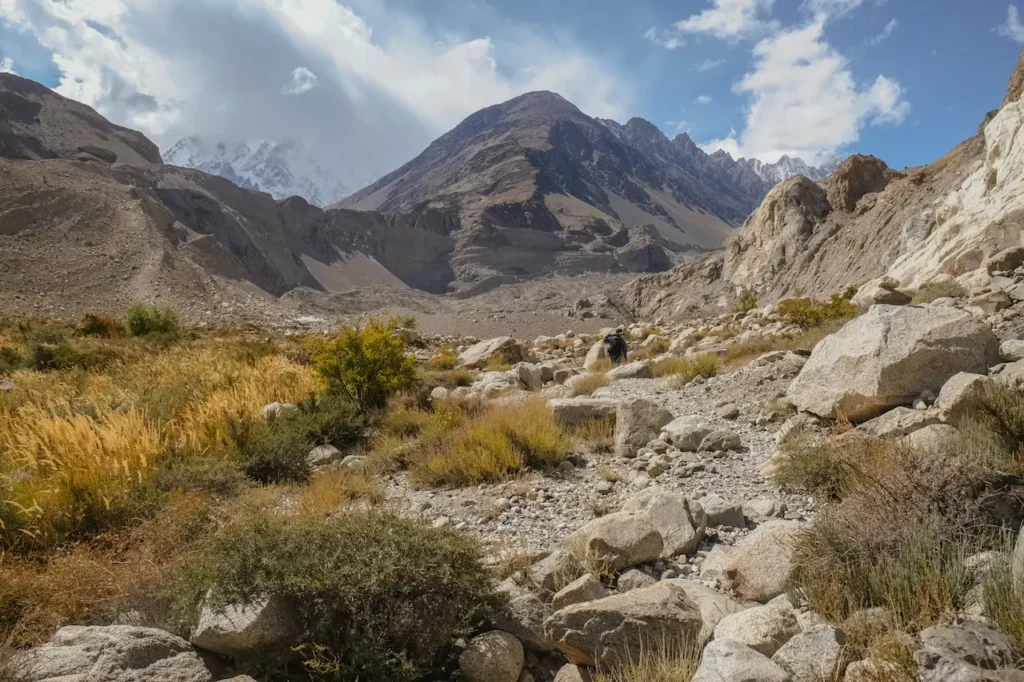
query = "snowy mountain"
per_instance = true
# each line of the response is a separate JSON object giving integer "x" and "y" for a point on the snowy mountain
{"x": 786, "y": 167}
{"x": 280, "y": 169}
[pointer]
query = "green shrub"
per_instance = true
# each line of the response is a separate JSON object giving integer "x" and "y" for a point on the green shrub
{"x": 102, "y": 326}
{"x": 67, "y": 355}
{"x": 931, "y": 292}
{"x": 380, "y": 598}
{"x": 367, "y": 365}
{"x": 746, "y": 304}
{"x": 808, "y": 313}
{"x": 146, "y": 320}
{"x": 10, "y": 360}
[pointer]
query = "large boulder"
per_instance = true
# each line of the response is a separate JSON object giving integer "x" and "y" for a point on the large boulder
{"x": 530, "y": 376}
{"x": 687, "y": 432}
{"x": 818, "y": 653}
{"x": 632, "y": 370}
{"x": 970, "y": 651}
{"x": 897, "y": 423}
{"x": 722, "y": 512}
{"x": 571, "y": 412}
{"x": 880, "y": 291}
{"x": 855, "y": 177}
{"x": 614, "y": 629}
{"x": 637, "y": 422}
{"x": 494, "y": 656}
{"x": 758, "y": 566}
{"x": 680, "y": 522}
{"x": 618, "y": 541}
{"x": 763, "y": 628}
{"x": 112, "y": 653}
{"x": 727, "y": 661}
{"x": 712, "y": 604}
{"x": 242, "y": 631}
{"x": 887, "y": 357}
{"x": 505, "y": 347}
{"x": 954, "y": 397}
{"x": 524, "y": 616}
{"x": 597, "y": 357}
{"x": 587, "y": 588}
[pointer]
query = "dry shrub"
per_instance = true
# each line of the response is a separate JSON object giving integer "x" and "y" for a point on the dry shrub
{"x": 606, "y": 473}
{"x": 1004, "y": 600}
{"x": 497, "y": 363}
{"x": 588, "y": 383}
{"x": 808, "y": 313}
{"x": 445, "y": 360}
{"x": 739, "y": 354}
{"x": 652, "y": 349}
{"x": 682, "y": 371}
{"x": 595, "y": 435}
{"x": 103, "y": 326}
{"x": 671, "y": 661}
{"x": 501, "y": 441}
{"x": 331, "y": 491}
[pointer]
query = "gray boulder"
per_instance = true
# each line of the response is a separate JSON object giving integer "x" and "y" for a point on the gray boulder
{"x": 818, "y": 653}
{"x": 573, "y": 673}
{"x": 763, "y": 628}
{"x": 505, "y": 347}
{"x": 632, "y": 370}
{"x": 634, "y": 579}
{"x": 242, "y": 631}
{"x": 596, "y": 356}
{"x": 494, "y": 656}
{"x": 524, "y": 616}
{"x": 969, "y": 652}
{"x": 888, "y": 357}
{"x": 687, "y": 432}
{"x": 934, "y": 438}
{"x": 638, "y": 422}
{"x": 112, "y": 653}
{"x": 898, "y": 422}
{"x": 955, "y": 393}
{"x": 571, "y": 412}
{"x": 728, "y": 661}
{"x": 323, "y": 455}
{"x": 611, "y": 630}
{"x": 722, "y": 512}
{"x": 618, "y": 541}
{"x": 1011, "y": 350}
{"x": 758, "y": 566}
{"x": 680, "y": 522}
{"x": 713, "y": 605}
{"x": 530, "y": 376}
{"x": 587, "y": 588}
{"x": 720, "y": 440}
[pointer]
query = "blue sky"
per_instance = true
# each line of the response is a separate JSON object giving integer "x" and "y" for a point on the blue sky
{"x": 375, "y": 80}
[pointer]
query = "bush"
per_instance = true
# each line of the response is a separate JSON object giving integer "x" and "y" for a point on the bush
{"x": 102, "y": 326}
{"x": 1004, "y": 601}
{"x": 685, "y": 370}
{"x": 67, "y": 355}
{"x": 367, "y": 365}
{"x": 589, "y": 383}
{"x": 380, "y": 597}
{"x": 10, "y": 360}
{"x": 445, "y": 360}
{"x": 146, "y": 320}
{"x": 808, "y": 313}
{"x": 746, "y": 304}
{"x": 931, "y": 292}
{"x": 992, "y": 428}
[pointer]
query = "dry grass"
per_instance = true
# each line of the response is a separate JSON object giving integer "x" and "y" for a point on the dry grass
{"x": 595, "y": 435}
{"x": 445, "y": 360}
{"x": 682, "y": 371}
{"x": 497, "y": 363}
{"x": 606, "y": 473}
{"x": 931, "y": 292}
{"x": 331, "y": 491}
{"x": 588, "y": 383}
{"x": 675, "y": 661}
{"x": 740, "y": 354}
{"x": 652, "y": 349}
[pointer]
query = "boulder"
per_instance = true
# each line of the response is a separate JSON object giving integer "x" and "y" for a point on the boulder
{"x": 955, "y": 393}
{"x": 889, "y": 356}
{"x": 573, "y": 673}
{"x": 530, "y": 376}
{"x": 855, "y": 177}
{"x": 617, "y": 541}
{"x": 439, "y": 393}
{"x": 505, "y": 347}
{"x": 720, "y": 440}
{"x": 112, "y": 653}
{"x": 638, "y": 422}
{"x": 323, "y": 455}
{"x": 818, "y": 653}
{"x": 597, "y": 357}
{"x": 763, "y": 628}
{"x": 899, "y": 422}
{"x": 758, "y": 566}
{"x": 611, "y": 630}
{"x": 634, "y": 579}
{"x": 569, "y": 412}
{"x": 587, "y": 588}
{"x": 713, "y": 605}
{"x": 1011, "y": 375}
{"x": 1007, "y": 259}
{"x": 728, "y": 661}
{"x": 632, "y": 370}
{"x": 524, "y": 616}
{"x": 934, "y": 438}
{"x": 680, "y": 522}
{"x": 241, "y": 631}
{"x": 1011, "y": 350}
{"x": 494, "y": 656}
{"x": 687, "y": 432}
{"x": 882, "y": 291}
{"x": 969, "y": 651}
{"x": 722, "y": 512}
{"x": 274, "y": 409}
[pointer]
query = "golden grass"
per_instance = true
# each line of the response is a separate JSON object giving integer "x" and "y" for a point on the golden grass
{"x": 595, "y": 435}
{"x": 497, "y": 363}
{"x": 331, "y": 491}
{"x": 588, "y": 383}
{"x": 739, "y": 354}
{"x": 682, "y": 371}
{"x": 675, "y": 661}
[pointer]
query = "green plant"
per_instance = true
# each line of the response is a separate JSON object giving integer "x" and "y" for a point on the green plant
{"x": 1003, "y": 600}
{"x": 379, "y": 597}
{"x": 808, "y": 313}
{"x": 367, "y": 365}
{"x": 991, "y": 427}
{"x": 67, "y": 355}
{"x": 445, "y": 360}
{"x": 146, "y": 320}
{"x": 931, "y": 292}
{"x": 103, "y": 326}
{"x": 10, "y": 360}
{"x": 746, "y": 304}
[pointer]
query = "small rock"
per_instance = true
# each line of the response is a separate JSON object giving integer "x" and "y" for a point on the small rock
{"x": 634, "y": 580}
{"x": 587, "y": 588}
{"x": 494, "y": 656}
{"x": 720, "y": 440}
{"x": 729, "y": 411}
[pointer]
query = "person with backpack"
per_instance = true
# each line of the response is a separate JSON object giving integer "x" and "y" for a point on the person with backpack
{"x": 616, "y": 347}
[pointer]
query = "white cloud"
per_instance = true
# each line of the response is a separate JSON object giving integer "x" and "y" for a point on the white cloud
{"x": 805, "y": 101}
{"x": 703, "y": 99}
{"x": 886, "y": 32}
{"x": 732, "y": 19}
{"x": 303, "y": 80}
{"x": 676, "y": 127}
{"x": 709, "y": 65}
{"x": 1013, "y": 28}
{"x": 216, "y": 67}
{"x": 664, "y": 39}
{"x": 831, "y": 8}
{"x": 7, "y": 66}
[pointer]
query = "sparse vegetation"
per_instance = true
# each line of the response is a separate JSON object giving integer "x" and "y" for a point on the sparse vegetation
{"x": 937, "y": 290}
{"x": 595, "y": 435}
{"x": 746, "y": 304}
{"x": 367, "y": 364}
{"x": 587, "y": 384}
{"x": 739, "y": 354}
{"x": 445, "y": 360}
{"x": 808, "y": 313}
{"x": 146, "y": 320}
{"x": 652, "y": 349}
{"x": 684, "y": 370}
{"x": 497, "y": 363}
{"x": 103, "y": 326}
{"x": 657, "y": 662}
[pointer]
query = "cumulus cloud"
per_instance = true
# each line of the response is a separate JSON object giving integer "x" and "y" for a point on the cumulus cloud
{"x": 709, "y": 65}
{"x": 831, "y": 8}
{"x": 665, "y": 39}
{"x": 7, "y": 66}
{"x": 703, "y": 99}
{"x": 1012, "y": 28}
{"x": 886, "y": 32}
{"x": 216, "y": 67}
{"x": 303, "y": 80}
{"x": 805, "y": 101}
{"x": 732, "y": 19}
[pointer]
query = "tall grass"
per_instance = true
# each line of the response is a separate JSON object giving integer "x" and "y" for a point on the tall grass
{"x": 684, "y": 370}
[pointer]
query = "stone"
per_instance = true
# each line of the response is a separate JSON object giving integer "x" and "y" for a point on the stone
{"x": 713, "y": 605}
{"x": 587, "y": 588}
{"x": 506, "y": 348}
{"x": 494, "y": 656}
{"x": 886, "y": 357}
{"x": 758, "y": 566}
{"x": 632, "y": 370}
{"x": 687, "y": 432}
{"x": 524, "y": 616}
{"x": 882, "y": 290}
{"x": 634, "y": 579}
{"x": 720, "y": 440}
{"x": 353, "y": 461}
{"x": 763, "y": 509}
{"x": 530, "y": 376}
{"x": 1011, "y": 375}
{"x": 274, "y": 409}
{"x": 955, "y": 393}
{"x": 818, "y": 653}
{"x": 871, "y": 670}
{"x": 242, "y": 631}
{"x": 439, "y": 393}
{"x": 577, "y": 383}
{"x": 934, "y": 438}
{"x": 597, "y": 357}
{"x": 573, "y": 673}
{"x": 619, "y": 540}
{"x": 968, "y": 652}
{"x": 1011, "y": 350}
{"x": 679, "y": 521}
{"x": 569, "y": 412}
{"x": 1007, "y": 259}
{"x": 562, "y": 375}
{"x": 729, "y": 661}
{"x": 897, "y": 423}
{"x": 722, "y": 512}
{"x": 856, "y": 177}
{"x": 608, "y": 631}
{"x": 763, "y": 628}
{"x": 729, "y": 411}
{"x": 323, "y": 455}
{"x": 112, "y": 653}
{"x": 637, "y": 422}
{"x": 992, "y": 302}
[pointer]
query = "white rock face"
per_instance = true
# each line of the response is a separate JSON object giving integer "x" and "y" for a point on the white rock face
{"x": 887, "y": 357}
{"x": 983, "y": 216}
{"x": 241, "y": 631}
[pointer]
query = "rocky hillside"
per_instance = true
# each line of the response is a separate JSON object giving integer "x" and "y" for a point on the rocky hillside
{"x": 864, "y": 221}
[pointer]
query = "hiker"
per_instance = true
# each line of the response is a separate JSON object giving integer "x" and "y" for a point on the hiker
{"x": 615, "y": 345}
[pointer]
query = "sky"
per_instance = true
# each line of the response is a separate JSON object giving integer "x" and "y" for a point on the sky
{"x": 374, "y": 81}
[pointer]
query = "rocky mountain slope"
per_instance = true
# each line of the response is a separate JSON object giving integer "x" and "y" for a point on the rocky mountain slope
{"x": 281, "y": 169}
{"x": 864, "y": 221}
